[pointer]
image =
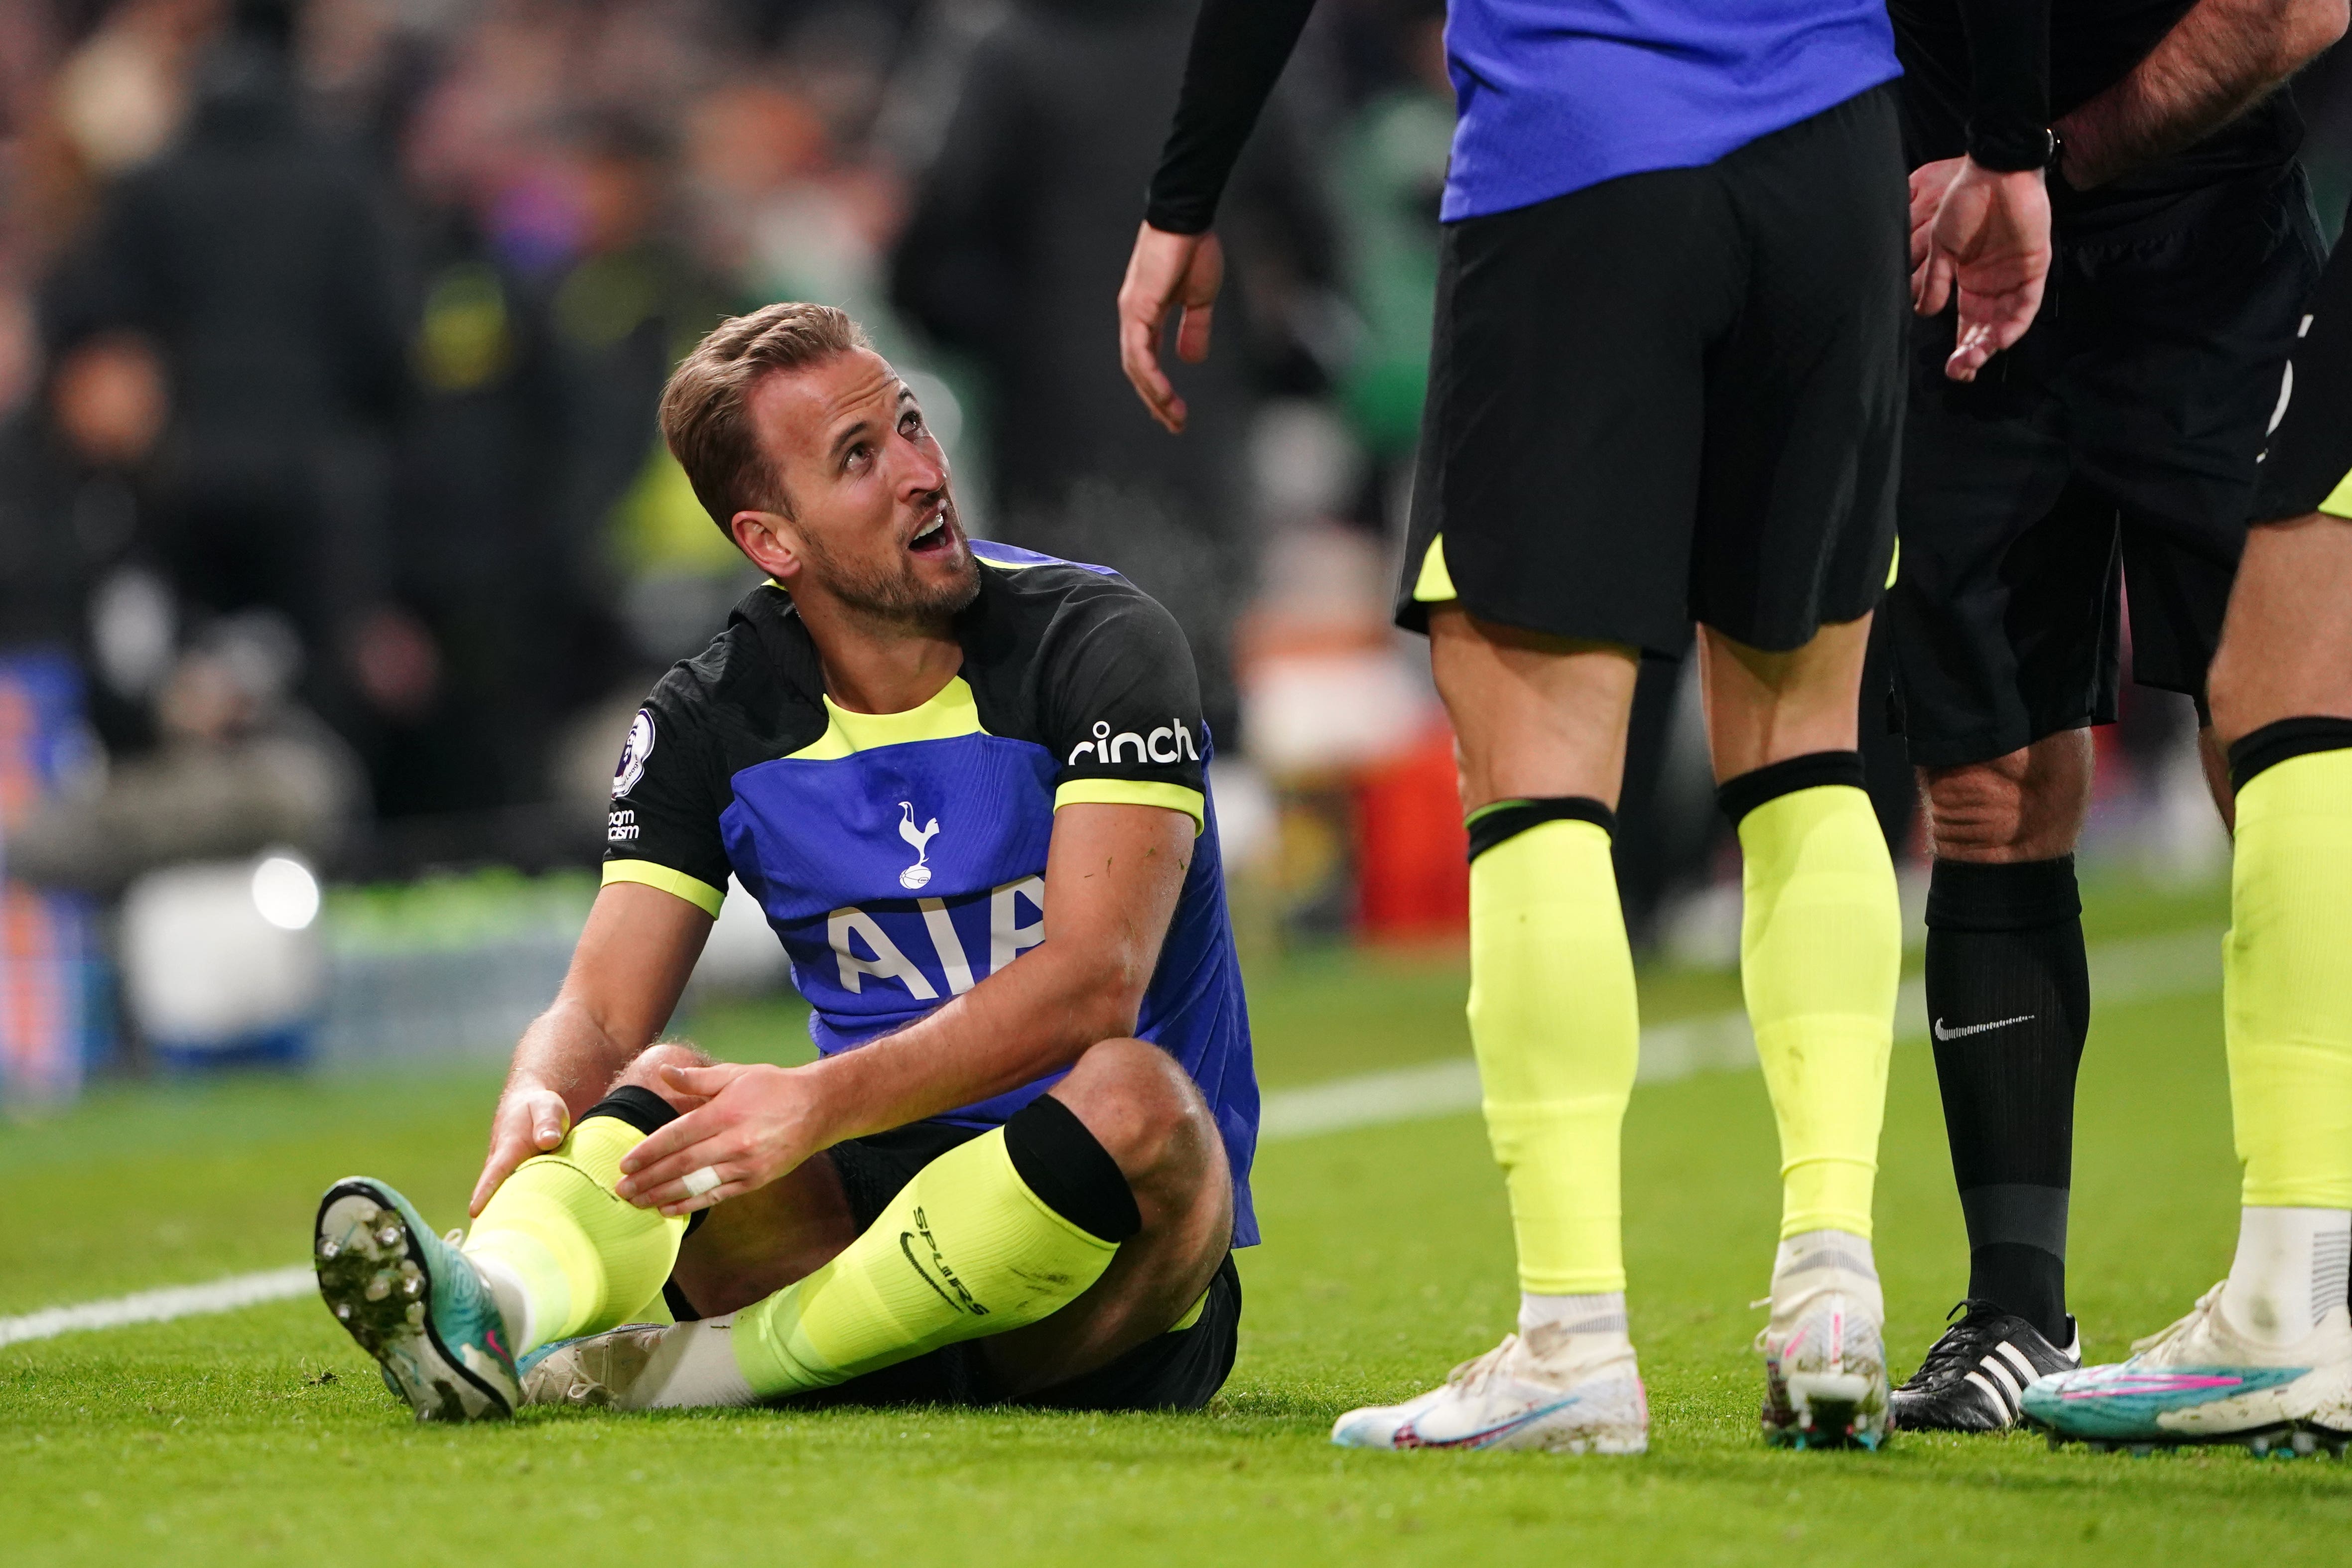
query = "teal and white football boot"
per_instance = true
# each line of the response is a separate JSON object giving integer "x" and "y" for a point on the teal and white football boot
{"x": 2201, "y": 1381}
{"x": 414, "y": 1303}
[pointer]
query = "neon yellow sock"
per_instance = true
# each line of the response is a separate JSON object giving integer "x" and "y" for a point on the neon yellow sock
{"x": 2288, "y": 982}
{"x": 966, "y": 1249}
{"x": 1821, "y": 951}
{"x": 1554, "y": 1020}
{"x": 586, "y": 1259}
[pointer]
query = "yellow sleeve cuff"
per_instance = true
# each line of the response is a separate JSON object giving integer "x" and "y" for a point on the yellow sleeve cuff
{"x": 1134, "y": 792}
{"x": 693, "y": 890}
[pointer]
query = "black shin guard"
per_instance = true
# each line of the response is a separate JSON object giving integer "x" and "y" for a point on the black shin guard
{"x": 2009, "y": 1002}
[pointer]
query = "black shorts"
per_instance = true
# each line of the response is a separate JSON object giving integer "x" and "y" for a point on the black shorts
{"x": 1181, "y": 1370}
{"x": 2308, "y": 467}
{"x": 1673, "y": 396}
{"x": 2108, "y": 459}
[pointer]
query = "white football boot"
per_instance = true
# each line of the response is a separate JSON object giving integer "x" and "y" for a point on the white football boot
{"x": 1825, "y": 1348}
{"x": 644, "y": 1366}
{"x": 1575, "y": 1394}
{"x": 2202, "y": 1381}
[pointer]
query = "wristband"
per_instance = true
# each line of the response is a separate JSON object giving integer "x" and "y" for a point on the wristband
{"x": 2009, "y": 148}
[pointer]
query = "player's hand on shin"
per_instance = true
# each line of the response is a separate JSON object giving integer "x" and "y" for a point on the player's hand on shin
{"x": 1167, "y": 271}
{"x": 754, "y": 1124}
{"x": 529, "y": 1120}
{"x": 1986, "y": 239}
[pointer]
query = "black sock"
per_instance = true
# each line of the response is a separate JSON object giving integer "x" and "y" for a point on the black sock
{"x": 2009, "y": 998}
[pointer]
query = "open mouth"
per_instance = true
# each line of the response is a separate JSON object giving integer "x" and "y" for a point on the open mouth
{"x": 933, "y": 537}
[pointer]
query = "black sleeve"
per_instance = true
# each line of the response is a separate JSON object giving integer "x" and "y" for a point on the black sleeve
{"x": 664, "y": 827}
{"x": 1120, "y": 706}
{"x": 2009, "y": 82}
{"x": 1239, "y": 47}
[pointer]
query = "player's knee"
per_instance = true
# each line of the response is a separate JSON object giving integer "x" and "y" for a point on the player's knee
{"x": 1142, "y": 1108}
{"x": 2232, "y": 694}
{"x": 2027, "y": 805}
{"x": 645, "y": 1071}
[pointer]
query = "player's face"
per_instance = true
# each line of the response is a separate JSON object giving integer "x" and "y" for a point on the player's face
{"x": 873, "y": 521}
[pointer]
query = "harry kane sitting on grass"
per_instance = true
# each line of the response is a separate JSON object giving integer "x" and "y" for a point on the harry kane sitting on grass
{"x": 966, "y": 785}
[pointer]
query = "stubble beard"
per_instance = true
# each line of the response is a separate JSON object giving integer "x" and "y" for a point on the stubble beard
{"x": 895, "y": 593}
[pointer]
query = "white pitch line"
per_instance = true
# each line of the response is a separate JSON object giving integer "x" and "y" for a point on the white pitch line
{"x": 162, "y": 1306}
{"x": 2144, "y": 969}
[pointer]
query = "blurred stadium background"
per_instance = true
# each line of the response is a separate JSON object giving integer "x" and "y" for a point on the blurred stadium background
{"x": 337, "y": 545}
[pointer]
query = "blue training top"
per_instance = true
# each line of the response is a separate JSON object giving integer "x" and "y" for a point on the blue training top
{"x": 1556, "y": 95}
{"x": 1553, "y": 95}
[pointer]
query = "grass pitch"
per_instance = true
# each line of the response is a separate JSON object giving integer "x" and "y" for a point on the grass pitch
{"x": 263, "y": 1436}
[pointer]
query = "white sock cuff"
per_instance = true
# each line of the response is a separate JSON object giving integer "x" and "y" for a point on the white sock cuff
{"x": 1601, "y": 1313}
{"x": 2290, "y": 1262}
{"x": 695, "y": 1368}
{"x": 512, "y": 1294}
{"x": 1811, "y": 1249}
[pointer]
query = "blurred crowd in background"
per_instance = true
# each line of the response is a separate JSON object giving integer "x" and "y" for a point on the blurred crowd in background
{"x": 338, "y": 545}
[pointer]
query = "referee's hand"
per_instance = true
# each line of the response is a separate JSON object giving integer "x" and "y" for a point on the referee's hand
{"x": 1167, "y": 271}
{"x": 1984, "y": 235}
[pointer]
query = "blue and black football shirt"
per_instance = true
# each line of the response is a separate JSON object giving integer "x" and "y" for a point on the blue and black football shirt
{"x": 901, "y": 856}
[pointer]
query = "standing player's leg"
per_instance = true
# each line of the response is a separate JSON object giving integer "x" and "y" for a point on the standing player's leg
{"x": 1540, "y": 725}
{"x": 2266, "y": 1356}
{"x": 1820, "y": 955}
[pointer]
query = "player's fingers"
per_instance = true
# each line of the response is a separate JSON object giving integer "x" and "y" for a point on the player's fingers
{"x": 1138, "y": 356}
{"x": 1936, "y": 292}
{"x": 494, "y": 1172}
{"x": 711, "y": 1199}
{"x": 550, "y": 1120}
{"x": 505, "y": 1154}
{"x": 674, "y": 1181}
{"x": 702, "y": 1082}
{"x": 1992, "y": 322}
{"x": 1192, "y": 333}
{"x": 1926, "y": 200}
{"x": 655, "y": 1181}
{"x": 1968, "y": 355}
{"x": 659, "y": 1146}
